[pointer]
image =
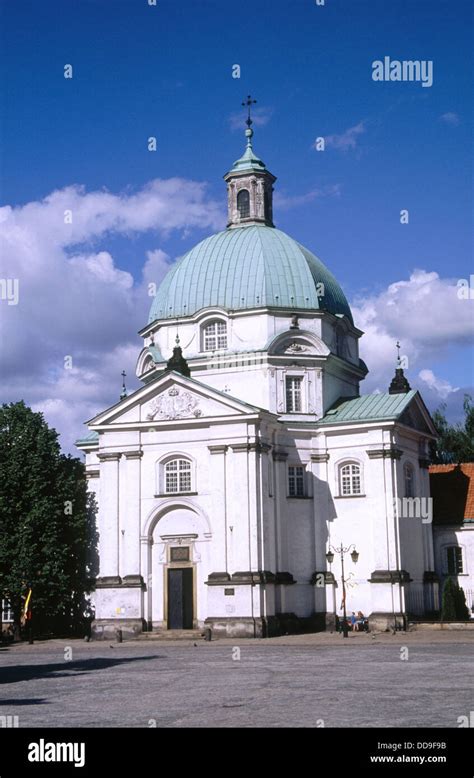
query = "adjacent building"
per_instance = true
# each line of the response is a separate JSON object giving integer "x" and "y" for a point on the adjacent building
{"x": 452, "y": 490}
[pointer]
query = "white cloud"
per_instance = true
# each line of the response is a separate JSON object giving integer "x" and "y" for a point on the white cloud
{"x": 450, "y": 118}
{"x": 285, "y": 202}
{"x": 74, "y": 301}
{"x": 161, "y": 206}
{"x": 425, "y": 314}
{"x": 156, "y": 266}
{"x": 261, "y": 115}
{"x": 346, "y": 140}
{"x": 441, "y": 387}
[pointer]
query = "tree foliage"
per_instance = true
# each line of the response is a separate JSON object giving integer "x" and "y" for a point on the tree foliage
{"x": 47, "y": 521}
{"x": 448, "y": 604}
{"x": 453, "y": 605}
{"x": 455, "y": 443}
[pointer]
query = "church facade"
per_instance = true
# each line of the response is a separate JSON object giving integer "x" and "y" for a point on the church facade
{"x": 229, "y": 483}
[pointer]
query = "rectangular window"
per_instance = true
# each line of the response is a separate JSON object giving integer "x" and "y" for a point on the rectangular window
{"x": 209, "y": 340}
{"x": 221, "y": 334}
{"x": 172, "y": 476}
{"x": 7, "y": 612}
{"x": 185, "y": 481}
{"x": 454, "y": 564}
{"x": 296, "y": 481}
{"x": 346, "y": 484}
{"x": 293, "y": 394}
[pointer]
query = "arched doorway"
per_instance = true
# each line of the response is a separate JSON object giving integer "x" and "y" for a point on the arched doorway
{"x": 177, "y": 562}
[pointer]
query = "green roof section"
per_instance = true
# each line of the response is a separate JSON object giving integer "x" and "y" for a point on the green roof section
{"x": 248, "y": 160}
{"x": 244, "y": 268}
{"x": 91, "y": 439}
{"x": 369, "y": 407}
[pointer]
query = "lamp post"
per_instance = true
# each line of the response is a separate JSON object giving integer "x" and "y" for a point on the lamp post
{"x": 330, "y": 558}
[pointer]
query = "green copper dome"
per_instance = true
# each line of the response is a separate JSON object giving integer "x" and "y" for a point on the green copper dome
{"x": 248, "y": 267}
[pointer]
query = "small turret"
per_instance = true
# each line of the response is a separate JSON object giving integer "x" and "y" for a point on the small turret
{"x": 177, "y": 362}
{"x": 399, "y": 384}
{"x": 249, "y": 186}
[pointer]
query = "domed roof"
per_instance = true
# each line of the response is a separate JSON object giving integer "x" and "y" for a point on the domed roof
{"x": 248, "y": 267}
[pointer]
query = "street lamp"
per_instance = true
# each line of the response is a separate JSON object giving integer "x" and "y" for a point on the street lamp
{"x": 330, "y": 558}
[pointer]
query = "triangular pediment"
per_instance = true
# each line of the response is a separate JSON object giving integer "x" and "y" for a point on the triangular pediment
{"x": 417, "y": 416}
{"x": 172, "y": 397}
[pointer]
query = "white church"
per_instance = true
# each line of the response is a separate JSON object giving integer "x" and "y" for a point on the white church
{"x": 228, "y": 482}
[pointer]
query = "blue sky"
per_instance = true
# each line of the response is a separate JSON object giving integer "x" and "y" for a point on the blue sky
{"x": 166, "y": 71}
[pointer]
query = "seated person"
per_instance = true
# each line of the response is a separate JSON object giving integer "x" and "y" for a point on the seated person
{"x": 360, "y": 621}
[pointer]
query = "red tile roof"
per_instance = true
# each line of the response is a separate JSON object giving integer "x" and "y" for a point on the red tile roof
{"x": 452, "y": 490}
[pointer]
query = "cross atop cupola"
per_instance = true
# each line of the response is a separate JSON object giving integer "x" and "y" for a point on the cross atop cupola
{"x": 249, "y": 185}
{"x": 399, "y": 383}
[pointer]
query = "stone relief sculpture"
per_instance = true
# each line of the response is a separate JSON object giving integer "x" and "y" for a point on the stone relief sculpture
{"x": 174, "y": 404}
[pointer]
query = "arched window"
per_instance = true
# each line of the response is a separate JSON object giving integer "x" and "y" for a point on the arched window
{"x": 266, "y": 205}
{"x": 243, "y": 203}
{"x": 409, "y": 478}
{"x": 214, "y": 336}
{"x": 177, "y": 476}
{"x": 350, "y": 480}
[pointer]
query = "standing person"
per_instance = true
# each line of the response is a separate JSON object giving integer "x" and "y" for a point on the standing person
{"x": 353, "y": 621}
{"x": 360, "y": 621}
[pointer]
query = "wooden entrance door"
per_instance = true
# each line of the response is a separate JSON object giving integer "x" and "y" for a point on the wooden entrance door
{"x": 180, "y": 598}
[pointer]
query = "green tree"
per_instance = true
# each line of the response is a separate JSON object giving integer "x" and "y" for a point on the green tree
{"x": 455, "y": 443}
{"x": 453, "y": 607}
{"x": 462, "y": 611}
{"x": 448, "y": 602}
{"x": 47, "y": 522}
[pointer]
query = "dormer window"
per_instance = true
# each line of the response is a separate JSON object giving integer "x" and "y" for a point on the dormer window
{"x": 243, "y": 203}
{"x": 294, "y": 385}
{"x": 214, "y": 336}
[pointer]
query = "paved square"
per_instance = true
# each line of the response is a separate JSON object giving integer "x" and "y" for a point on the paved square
{"x": 295, "y": 681}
